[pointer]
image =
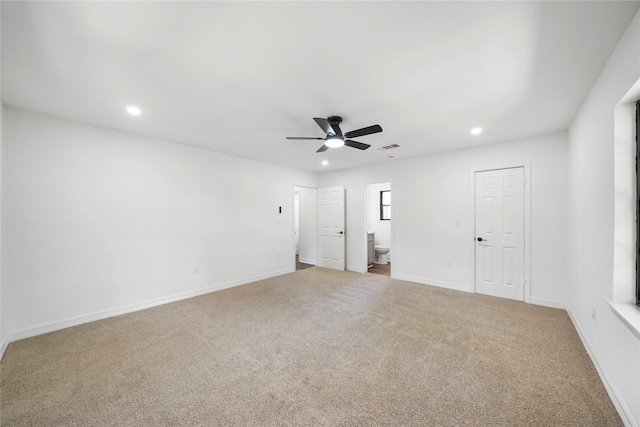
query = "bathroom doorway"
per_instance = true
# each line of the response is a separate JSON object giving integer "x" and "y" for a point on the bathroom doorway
{"x": 305, "y": 227}
{"x": 378, "y": 220}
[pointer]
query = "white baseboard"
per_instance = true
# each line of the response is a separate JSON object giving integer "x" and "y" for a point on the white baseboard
{"x": 3, "y": 347}
{"x": 308, "y": 261}
{"x": 622, "y": 409}
{"x": 548, "y": 303}
{"x": 438, "y": 283}
{"x": 356, "y": 269}
{"x": 104, "y": 314}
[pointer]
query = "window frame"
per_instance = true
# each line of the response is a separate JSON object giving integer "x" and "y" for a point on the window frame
{"x": 382, "y": 205}
{"x": 637, "y": 204}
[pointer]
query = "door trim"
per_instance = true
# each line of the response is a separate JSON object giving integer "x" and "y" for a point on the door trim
{"x": 488, "y": 166}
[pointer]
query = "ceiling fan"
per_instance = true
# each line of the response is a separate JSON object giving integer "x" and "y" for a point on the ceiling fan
{"x": 335, "y": 138}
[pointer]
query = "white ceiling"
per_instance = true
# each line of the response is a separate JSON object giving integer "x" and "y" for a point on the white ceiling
{"x": 238, "y": 77}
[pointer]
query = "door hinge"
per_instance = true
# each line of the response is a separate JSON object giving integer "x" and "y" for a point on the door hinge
{"x": 525, "y": 181}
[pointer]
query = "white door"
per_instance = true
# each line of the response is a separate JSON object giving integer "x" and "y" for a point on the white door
{"x": 296, "y": 221}
{"x": 331, "y": 237}
{"x": 500, "y": 233}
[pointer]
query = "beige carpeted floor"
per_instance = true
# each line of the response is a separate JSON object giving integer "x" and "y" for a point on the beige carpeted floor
{"x": 311, "y": 348}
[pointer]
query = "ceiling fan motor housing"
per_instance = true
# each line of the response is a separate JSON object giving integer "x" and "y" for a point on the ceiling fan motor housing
{"x": 334, "y": 122}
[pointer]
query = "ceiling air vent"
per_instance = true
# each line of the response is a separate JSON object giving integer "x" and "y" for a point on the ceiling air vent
{"x": 389, "y": 147}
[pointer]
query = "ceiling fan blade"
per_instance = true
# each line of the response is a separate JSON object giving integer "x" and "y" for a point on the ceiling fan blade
{"x": 364, "y": 131}
{"x": 323, "y": 148}
{"x": 356, "y": 144}
{"x": 336, "y": 129}
{"x": 324, "y": 125}
{"x": 305, "y": 137}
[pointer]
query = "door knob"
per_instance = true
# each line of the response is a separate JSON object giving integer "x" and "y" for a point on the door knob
{"x": 340, "y": 232}
{"x": 480, "y": 239}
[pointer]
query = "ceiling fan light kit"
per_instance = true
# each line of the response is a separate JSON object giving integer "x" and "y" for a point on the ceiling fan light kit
{"x": 335, "y": 138}
{"x": 334, "y": 142}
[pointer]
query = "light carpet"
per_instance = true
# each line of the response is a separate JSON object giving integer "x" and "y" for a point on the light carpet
{"x": 312, "y": 348}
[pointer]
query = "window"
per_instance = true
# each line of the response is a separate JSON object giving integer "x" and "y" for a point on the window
{"x": 637, "y": 204}
{"x": 626, "y": 247}
{"x": 385, "y": 205}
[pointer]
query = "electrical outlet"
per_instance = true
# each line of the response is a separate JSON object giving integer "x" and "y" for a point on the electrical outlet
{"x": 279, "y": 255}
{"x": 448, "y": 264}
{"x": 196, "y": 269}
{"x": 593, "y": 312}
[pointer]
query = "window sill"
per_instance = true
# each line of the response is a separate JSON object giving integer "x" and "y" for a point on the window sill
{"x": 629, "y": 313}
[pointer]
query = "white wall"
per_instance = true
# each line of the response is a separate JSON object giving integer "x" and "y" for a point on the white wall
{"x": 97, "y": 222}
{"x": 374, "y": 223}
{"x": 614, "y": 347}
{"x": 430, "y": 193}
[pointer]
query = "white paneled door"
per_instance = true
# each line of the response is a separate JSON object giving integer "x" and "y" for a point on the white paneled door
{"x": 499, "y": 207}
{"x": 331, "y": 237}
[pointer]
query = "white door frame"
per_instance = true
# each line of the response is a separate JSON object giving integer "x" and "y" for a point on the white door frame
{"x": 365, "y": 264}
{"x": 526, "y": 164}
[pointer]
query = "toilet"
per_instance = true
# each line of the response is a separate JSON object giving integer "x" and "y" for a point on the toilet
{"x": 381, "y": 254}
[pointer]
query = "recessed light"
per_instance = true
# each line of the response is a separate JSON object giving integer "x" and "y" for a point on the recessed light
{"x": 133, "y": 110}
{"x": 325, "y": 163}
{"x": 476, "y": 131}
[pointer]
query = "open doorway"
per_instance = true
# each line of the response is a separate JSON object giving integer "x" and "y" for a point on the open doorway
{"x": 305, "y": 227}
{"x": 378, "y": 223}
